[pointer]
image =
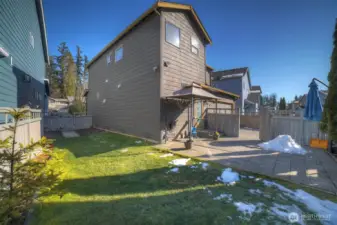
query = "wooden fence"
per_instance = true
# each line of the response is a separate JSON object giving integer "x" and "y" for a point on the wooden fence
{"x": 28, "y": 128}
{"x": 226, "y": 121}
{"x": 67, "y": 122}
{"x": 297, "y": 127}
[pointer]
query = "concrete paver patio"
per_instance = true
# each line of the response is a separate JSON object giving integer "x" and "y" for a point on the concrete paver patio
{"x": 316, "y": 169}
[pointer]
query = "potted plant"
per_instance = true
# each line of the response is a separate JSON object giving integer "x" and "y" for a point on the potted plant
{"x": 188, "y": 144}
{"x": 216, "y": 135}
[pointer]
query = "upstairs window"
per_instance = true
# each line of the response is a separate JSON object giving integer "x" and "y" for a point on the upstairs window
{"x": 108, "y": 59}
{"x": 119, "y": 54}
{"x": 172, "y": 34}
{"x": 194, "y": 45}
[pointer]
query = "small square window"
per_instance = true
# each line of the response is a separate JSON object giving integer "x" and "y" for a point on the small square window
{"x": 195, "y": 50}
{"x": 119, "y": 54}
{"x": 172, "y": 34}
{"x": 108, "y": 58}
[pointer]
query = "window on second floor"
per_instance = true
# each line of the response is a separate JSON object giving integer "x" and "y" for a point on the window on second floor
{"x": 194, "y": 45}
{"x": 172, "y": 35}
{"x": 108, "y": 58}
{"x": 119, "y": 54}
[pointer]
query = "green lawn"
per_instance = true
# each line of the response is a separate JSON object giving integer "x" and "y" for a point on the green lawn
{"x": 105, "y": 184}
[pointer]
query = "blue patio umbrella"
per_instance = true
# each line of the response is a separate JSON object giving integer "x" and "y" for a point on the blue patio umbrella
{"x": 313, "y": 107}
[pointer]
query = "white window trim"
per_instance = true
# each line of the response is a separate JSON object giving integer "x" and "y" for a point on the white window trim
{"x": 194, "y": 46}
{"x": 168, "y": 22}
{"x": 119, "y": 47}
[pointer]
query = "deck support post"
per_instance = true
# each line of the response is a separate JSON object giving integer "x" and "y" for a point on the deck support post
{"x": 216, "y": 115}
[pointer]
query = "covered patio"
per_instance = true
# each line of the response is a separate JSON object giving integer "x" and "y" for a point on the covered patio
{"x": 195, "y": 95}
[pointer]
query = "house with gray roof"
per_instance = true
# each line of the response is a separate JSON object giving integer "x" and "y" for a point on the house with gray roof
{"x": 238, "y": 81}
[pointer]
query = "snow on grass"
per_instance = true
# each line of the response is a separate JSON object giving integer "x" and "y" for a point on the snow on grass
{"x": 227, "y": 197}
{"x": 248, "y": 208}
{"x": 208, "y": 190}
{"x": 204, "y": 165}
{"x": 320, "y": 207}
{"x": 251, "y": 177}
{"x": 124, "y": 150}
{"x": 229, "y": 177}
{"x": 255, "y": 191}
{"x": 173, "y": 170}
{"x": 138, "y": 142}
{"x": 166, "y": 155}
{"x": 283, "y": 211}
{"x": 179, "y": 162}
{"x": 283, "y": 143}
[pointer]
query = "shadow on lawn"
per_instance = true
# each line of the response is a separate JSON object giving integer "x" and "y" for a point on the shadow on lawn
{"x": 99, "y": 143}
{"x": 140, "y": 182}
{"x": 187, "y": 207}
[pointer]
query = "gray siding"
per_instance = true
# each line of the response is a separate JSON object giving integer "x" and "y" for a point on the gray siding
{"x": 208, "y": 77}
{"x": 184, "y": 66}
{"x": 125, "y": 96}
{"x": 233, "y": 85}
{"x": 18, "y": 20}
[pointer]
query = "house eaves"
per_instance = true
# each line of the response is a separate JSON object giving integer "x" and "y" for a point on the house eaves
{"x": 42, "y": 23}
{"x": 157, "y": 5}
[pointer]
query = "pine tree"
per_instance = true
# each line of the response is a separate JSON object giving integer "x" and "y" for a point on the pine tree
{"x": 296, "y": 98}
{"x": 79, "y": 68}
{"x": 53, "y": 77}
{"x": 63, "y": 66}
{"x": 329, "y": 120}
{"x": 21, "y": 176}
{"x": 86, "y": 71}
{"x": 69, "y": 77}
{"x": 283, "y": 104}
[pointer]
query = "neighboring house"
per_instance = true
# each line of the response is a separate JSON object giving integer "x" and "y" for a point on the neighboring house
{"x": 132, "y": 80}
{"x": 23, "y": 54}
{"x": 300, "y": 104}
{"x": 238, "y": 82}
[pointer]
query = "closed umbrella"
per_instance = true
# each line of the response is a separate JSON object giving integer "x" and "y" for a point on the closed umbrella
{"x": 313, "y": 107}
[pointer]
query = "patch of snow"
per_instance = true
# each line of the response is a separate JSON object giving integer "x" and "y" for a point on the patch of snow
{"x": 229, "y": 217}
{"x": 248, "y": 208}
{"x": 204, "y": 165}
{"x": 243, "y": 176}
{"x": 103, "y": 142}
{"x": 258, "y": 179}
{"x": 124, "y": 150}
{"x": 229, "y": 177}
{"x": 166, "y": 155}
{"x": 112, "y": 145}
{"x": 255, "y": 191}
{"x": 251, "y": 177}
{"x": 179, "y": 162}
{"x": 324, "y": 208}
{"x": 283, "y": 143}
{"x": 193, "y": 167}
{"x": 208, "y": 191}
{"x": 138, "y": 142}
{"x": 174, "y": 170}
{"x": 283, "y": 211}
{"x": 227, "y": 197}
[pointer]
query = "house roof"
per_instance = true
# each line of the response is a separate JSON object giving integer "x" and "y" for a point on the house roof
{"x": 256, "y": 88}
{"x": 209, "y": 67}
{"x": 43, "y": 30}
{"x": 157, "y": 5}
{"x": 231, "y": 74}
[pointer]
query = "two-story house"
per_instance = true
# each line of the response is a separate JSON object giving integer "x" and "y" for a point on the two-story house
{"x": 23, "y": 54}
{"x": 133, "y": 79}
{"x": 238, "y": 81}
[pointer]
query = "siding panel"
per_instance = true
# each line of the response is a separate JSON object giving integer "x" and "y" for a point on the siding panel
{"x": 125, "y": 96}
{"x": 18, "y": 20}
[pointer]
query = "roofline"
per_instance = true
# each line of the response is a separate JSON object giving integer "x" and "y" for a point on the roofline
{"x": 235, "y": 96}
{"x": 43, "y": 29}
{"x": 159, "y": 4}
{"x": 209, "y": 67}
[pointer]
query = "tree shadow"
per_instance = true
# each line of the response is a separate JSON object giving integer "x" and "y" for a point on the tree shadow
{"x": 144, "y": 181}
{"x": 98, "y": 143}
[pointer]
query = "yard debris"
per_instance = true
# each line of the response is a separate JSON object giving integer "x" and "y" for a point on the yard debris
{"x": 124, "y": 150}
{"x": 179, "y": 162}
{"x": 320, "y": 207}
{"x": 229, "y": 177}
{"x": 248, "y": 208}
{"x": 174, "y": 170}
{"x": 283, "y": 143}
{"x": 227, "y": 197}
{"x": 138, "y": 142}
{"x": 166, "y": 155}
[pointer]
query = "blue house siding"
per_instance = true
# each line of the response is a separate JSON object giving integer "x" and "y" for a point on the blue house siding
{"x": 22, "y": 82}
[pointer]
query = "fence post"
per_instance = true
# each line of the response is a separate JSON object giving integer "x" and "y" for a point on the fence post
{"x": 302, "y": 127}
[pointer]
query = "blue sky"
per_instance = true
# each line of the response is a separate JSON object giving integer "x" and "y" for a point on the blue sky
{"x": 285, "y": 43}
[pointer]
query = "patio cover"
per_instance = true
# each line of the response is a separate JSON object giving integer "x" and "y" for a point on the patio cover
{"x": 201, "y": 91}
